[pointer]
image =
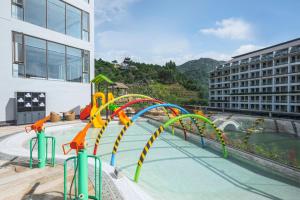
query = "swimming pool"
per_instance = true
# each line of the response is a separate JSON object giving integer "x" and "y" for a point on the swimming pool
{"x": 178, "y": 169}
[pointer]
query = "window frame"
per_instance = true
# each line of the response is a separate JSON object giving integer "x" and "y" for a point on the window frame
{"x": 46, "y": 59}
{"x": 20, "y": 5}
{"x": 88, "y": 26}
{"x": 47, "y": 75}
{"x": 88, "y": 30}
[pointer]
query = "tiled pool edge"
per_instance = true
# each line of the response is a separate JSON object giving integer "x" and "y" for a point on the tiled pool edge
{"x": 127, "y": 188}
{"x": 264, "y": 164}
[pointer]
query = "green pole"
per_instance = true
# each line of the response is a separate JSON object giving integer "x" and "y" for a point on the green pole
{"x": 83, "y": 175}
{"x": 41, "y": 149}
{"x": 137, "y": 173}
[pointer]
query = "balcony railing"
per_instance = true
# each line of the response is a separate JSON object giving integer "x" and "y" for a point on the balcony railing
{"x": 295, "y": 50}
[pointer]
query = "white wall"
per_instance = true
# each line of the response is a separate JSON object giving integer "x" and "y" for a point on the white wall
{"x": 60, "y": 95}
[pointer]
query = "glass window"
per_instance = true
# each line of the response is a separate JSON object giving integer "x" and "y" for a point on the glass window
{"x": 73, "y": 25}
{"x": 18, "y": 55}
{"x": 17, "y": 10}
{"x": 35, "y": 57}
{"x": 85, "y": 26}
{"x": 35, "y": 12}
{"x": 86, "y": 66}
{"x": 74, "y": 64}
{"x": 56, "y": 15}
{"x": 56, "y": 61}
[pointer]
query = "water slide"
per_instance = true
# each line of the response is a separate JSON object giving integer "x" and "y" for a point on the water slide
{"x": 97, "y": 121}
{"x": 85, "y": 113}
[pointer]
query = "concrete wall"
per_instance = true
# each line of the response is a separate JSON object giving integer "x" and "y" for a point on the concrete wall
{"x": 61, "y": 96}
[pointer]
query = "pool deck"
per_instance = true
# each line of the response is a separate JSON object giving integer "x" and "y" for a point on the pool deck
{"x": 36, "y": 184}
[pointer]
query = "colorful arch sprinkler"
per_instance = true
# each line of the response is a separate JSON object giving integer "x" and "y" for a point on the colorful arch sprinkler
{"x": 166, "y": 125}
{"x": 116, "y": 112}
{"x": 134, "y": 118}
{"x": 42, "y": 142}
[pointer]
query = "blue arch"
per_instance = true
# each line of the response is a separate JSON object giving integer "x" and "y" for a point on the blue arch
{"x": 140, "y": 113}
{"x": 184, "y": 111}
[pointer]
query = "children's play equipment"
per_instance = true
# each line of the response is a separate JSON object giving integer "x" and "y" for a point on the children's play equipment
{"x": 42, "y": 141}
{"x": 85, "y": 113}
{"x": 117, "y": 111}
{"x": 166, "y": 125}
{"x": 81, "y": 172}
{"x": 135, "y": 117}
{"x": 90, "y": 109}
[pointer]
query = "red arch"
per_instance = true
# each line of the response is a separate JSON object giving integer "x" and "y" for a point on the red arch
{"x": 146, "y": 100}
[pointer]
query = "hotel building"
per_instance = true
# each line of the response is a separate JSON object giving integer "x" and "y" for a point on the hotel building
{"x": 46, "y": 46}
{"x": 266, "y": 81}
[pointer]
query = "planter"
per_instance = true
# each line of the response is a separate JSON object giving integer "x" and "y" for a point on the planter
{"x": 69, "y": 116}
{"x": 54, "y": 117}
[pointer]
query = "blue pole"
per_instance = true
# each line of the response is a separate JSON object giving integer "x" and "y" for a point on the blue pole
{"x": 112, "y": 160}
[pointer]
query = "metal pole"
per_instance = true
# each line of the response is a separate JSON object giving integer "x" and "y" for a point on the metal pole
{"x": 91, "y": 94}
{"x": 106, "y": 96}
{"x": 41, "y": 149}
{"x": 83, "y": 175}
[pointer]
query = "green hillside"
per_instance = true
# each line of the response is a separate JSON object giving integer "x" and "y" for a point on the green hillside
{"x": 162, "y": 82}
{"x": 198, "y": 71}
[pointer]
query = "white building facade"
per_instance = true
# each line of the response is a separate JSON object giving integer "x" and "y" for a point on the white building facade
{"x": 264, "y": 81}
{"x": 46, "y": 46}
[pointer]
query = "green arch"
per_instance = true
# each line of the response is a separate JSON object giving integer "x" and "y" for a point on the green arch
{"x": 166, "y": 125}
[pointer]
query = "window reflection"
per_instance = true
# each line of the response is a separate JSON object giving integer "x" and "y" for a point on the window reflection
{"x": 35, "y": 57}
{"x": 56, "y": 15}
{"x": 85, "y": 26}
{"x": 73, "y": 21}
{"x": 17, "y": 9}
{"x": 56, "y": 61}
{"x": 74, "y": 64}
{"x": 35, "y": 12}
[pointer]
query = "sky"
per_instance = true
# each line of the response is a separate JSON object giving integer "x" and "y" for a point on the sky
{"x": 157, "y": 31}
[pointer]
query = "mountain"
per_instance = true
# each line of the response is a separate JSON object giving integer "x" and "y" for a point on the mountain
{"x": 198, "y": 71}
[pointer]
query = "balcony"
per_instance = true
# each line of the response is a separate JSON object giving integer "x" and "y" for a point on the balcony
{"x": 267, "y": 57}
{"x": 281, "y": 53}
{"x": 255, "y": 59}
{"x": 295, "y": 50}
{"x": 295, "y": 101}
{"x": 280, "y": 101}
{"x": 244, "y": 61}
{"x": 235, "y": 64}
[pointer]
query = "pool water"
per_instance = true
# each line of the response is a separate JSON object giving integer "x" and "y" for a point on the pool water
{"x": 175, "y": 169}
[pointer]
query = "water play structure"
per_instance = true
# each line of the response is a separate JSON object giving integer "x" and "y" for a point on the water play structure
{"x": 80, "y": 184}
{"x": 120, "y": 109}
{"x": 42, "y": 143}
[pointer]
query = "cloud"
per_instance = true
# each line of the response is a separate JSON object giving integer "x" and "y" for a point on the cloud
{"x": 231, "y": 28}
{"x": 109, "y": 10}
{"x": 246, "y": 48}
